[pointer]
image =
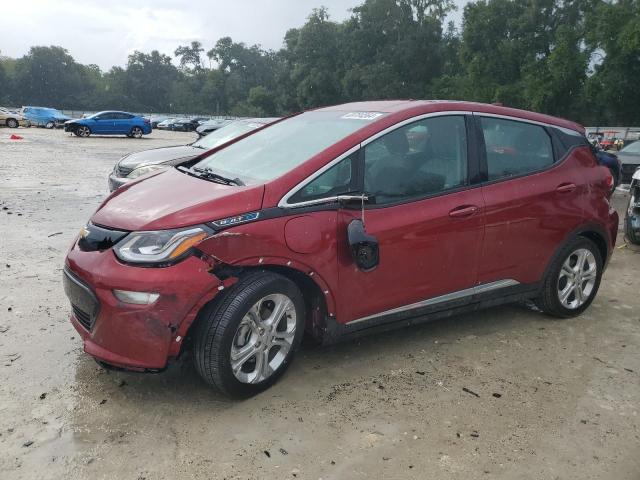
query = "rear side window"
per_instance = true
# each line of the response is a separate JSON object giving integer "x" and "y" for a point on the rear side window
{"x": 515, "y": 148}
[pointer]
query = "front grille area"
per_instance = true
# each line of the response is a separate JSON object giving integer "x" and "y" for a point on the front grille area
{"x": 628, "y": 170}
{"x": 82, "y": 317}
{"x": 83, "y": 301}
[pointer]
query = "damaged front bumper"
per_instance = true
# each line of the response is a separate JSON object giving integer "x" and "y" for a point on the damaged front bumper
{"x": 134, "y": 336}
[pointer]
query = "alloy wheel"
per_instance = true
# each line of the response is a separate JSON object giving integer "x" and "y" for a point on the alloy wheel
{"x": 136, "y": 132}
{"x": 263, "y": 339}
{"x": 577, "y": 278}
{"x": 83, "y": 131}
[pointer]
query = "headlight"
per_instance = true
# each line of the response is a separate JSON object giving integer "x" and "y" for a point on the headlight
{"x": 144, "y": 169}
{"x": 161, "y": 246}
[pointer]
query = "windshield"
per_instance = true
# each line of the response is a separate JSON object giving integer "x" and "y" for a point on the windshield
{"x": 277, "y": 149}
{"x": 225, "y": 134}
{"x": 633, "y": 148}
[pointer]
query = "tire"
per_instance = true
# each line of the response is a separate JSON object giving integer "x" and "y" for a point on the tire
{"x": 136, "y": 132}
{"x": 226, "y": 326}
{"x": 562, "y": 275}
{"x": 49, "y": 125}
{"x": 12, "y": 123}
{"x": 82, "y": 131}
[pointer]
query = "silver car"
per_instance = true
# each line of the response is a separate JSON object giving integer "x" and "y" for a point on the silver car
{"x": 134, "y": 165}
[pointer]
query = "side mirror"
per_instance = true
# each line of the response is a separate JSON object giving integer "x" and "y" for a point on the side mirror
{"x": 364, "y": 247}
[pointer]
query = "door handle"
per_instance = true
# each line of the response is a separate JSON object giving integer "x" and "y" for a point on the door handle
{"x": 463, "y": 211}
{"x": 566, "y": 187}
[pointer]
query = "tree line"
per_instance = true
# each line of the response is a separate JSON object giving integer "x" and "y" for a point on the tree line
{"x": 578, "y": 59}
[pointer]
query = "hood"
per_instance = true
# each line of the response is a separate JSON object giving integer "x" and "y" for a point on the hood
{"x": 171, "y": 199}
{"x": 159, "y": 155}
{"x": 628, "y": 157}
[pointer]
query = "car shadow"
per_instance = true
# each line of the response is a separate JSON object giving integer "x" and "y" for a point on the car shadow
{"x": 181, "y": 383}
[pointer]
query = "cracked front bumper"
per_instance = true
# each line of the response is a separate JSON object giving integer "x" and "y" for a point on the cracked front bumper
{"x": 131, "y": 336}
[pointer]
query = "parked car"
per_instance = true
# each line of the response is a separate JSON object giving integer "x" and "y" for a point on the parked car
{"x": 334, "y": 222}
{"x": 184, "y": 125}
{"x": 211, "y": 126}
{"x": 166, "y": 124}
{"x": 44, "y": 116}
{"x": 133, "y": 165}
{"x": 11, "y": 119}
{"x": 156, "y": 119}
{"x": 632, "y": 216}
{"x": 630, "y": 158}
{"x": 110, "y": 123}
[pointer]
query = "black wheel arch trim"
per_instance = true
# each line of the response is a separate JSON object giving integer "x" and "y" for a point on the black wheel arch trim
{"x": 587, "y": 228}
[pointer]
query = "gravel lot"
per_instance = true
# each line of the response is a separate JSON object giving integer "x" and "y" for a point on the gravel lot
{"x": 544, "y": 399}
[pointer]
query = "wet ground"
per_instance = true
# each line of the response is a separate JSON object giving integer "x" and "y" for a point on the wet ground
{"x": 505, "y": 393}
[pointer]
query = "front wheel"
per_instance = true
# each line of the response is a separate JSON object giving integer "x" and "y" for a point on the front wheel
{"x": 83, "y": 131}
{"x": 136, "y": 132}
{"x": 49, "y": 125}
{"x": 245, "y": 340}
{"x": 12, "y": 123}
{"x": 572, "y": 282}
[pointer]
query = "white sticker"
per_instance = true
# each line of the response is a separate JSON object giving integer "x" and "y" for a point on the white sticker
{"x": 362, "y": 115}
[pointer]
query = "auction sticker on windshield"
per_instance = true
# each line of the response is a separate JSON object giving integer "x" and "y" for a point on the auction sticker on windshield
{"x": 362, "y": 115}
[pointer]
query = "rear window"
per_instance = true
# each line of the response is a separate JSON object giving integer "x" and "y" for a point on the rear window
{"x": 515, "y": 148}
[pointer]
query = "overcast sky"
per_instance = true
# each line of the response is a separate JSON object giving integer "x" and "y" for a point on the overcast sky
{"x": 106, "y": 32}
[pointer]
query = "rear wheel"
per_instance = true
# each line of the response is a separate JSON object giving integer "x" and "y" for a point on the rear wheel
{"x": 12, "y": 123}
{"x": 573, "y": 279}
{"x": 83, "y": 131}
{"x": 245, "y": 341}
{"x": 136, "y": 132}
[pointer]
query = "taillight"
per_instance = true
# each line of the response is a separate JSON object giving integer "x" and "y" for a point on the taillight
{"x": 146, "y": 120}
{"x": 610, "y": 182}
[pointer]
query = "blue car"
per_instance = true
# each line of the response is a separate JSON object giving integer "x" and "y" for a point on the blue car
{"x": 110, "y": 123}
{"x": 44, "y": 116}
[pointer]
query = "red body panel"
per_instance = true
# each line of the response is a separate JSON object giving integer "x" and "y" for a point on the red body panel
{"x": 171, "y": 199}
{"x": 424, "y": 253}
{"x": 139, "y": 336}
{"x": 516, "y": 227}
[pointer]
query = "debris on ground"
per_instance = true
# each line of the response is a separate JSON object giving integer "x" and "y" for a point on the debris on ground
{"x": 465, "y": 389}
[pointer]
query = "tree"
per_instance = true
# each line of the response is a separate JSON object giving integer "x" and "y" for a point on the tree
{"x": 190, "y": 57}
{"x": 48, "y": 76}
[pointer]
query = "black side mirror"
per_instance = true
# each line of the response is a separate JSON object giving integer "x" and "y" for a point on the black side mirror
{"x": 364, "y": 247}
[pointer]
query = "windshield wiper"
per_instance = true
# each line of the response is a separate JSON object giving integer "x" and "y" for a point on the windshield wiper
{"x": 208, "y": 174}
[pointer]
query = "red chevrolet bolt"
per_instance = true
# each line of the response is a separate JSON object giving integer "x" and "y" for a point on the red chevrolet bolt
{"x": 340, "y": 221}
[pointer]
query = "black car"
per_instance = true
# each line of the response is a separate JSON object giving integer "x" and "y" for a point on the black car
{"x": 186, "y": 124}
{"x": 133, "y": 165}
